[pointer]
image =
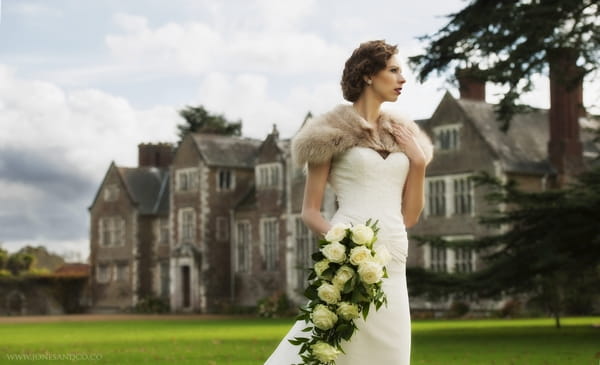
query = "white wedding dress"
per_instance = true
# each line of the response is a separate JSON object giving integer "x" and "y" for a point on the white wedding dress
{"x": 370, "y": 186}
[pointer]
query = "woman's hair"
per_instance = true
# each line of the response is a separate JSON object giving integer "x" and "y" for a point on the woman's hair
{"x": 368, "y": 59}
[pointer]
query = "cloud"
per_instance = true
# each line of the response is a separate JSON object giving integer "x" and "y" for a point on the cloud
{"x": 55, "y": 149}
{"x": 90, "y": 127}
{"x": 197, "y": 48}
{"x": 41, "y": 196}
{"x": 250, "y": 97}
{"x": 30, "y": 9}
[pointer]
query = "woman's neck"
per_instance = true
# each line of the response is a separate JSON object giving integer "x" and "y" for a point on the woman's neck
{"x": 368, "y": 109}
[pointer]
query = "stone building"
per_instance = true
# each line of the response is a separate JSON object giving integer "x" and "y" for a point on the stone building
{"x": 127, "y": 235}
{"x": 540, "y": 150}
{"x": 216, "y": 222}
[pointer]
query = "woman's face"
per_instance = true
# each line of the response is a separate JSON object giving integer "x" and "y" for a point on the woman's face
{"x": 387, "y": 83}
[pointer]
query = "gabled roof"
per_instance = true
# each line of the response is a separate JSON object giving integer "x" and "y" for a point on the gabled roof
{"x": 523, "y": 148}
{"x": 147, "y": 187}
{"x": 97, "y": 195}
{"x": 226, "y": 151}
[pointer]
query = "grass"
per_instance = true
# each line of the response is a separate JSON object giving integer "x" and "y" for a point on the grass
{"x": 250, "y": 341}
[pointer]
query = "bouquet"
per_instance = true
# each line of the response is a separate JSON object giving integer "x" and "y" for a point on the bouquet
{"x": 345, "y": 279}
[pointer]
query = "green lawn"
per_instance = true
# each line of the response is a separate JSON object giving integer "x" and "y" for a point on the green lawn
{"x": 250, "y": 341}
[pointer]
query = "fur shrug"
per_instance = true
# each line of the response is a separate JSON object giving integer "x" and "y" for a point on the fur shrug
{"x": 320, "y": 138}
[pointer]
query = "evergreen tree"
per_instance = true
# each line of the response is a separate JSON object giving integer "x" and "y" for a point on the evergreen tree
{"x": 546, "y": 243}
{"x": 198, "y": 119}
{"x": 507, "y": 42}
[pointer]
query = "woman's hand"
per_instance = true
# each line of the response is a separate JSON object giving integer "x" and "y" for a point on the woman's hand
{"x": 406, "y": 138}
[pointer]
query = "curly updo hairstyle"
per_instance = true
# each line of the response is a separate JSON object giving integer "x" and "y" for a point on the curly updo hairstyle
{"x": 368, "y": 59}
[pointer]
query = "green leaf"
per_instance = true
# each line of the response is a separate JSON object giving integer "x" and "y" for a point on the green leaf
{"x": 365, "y": 311}
{"x": 345, "y": 331}
{"x": 297, "y": 341}
{"x": 317, "y": 256}
{"x": 311, "y": 292}
{"x": 349, "y": 286}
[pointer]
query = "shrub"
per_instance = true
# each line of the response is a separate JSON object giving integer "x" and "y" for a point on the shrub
{"x": 458, "y": 309}
{"x": 510, "y": 309}
{"x": 275, "y": 305}
{"x": 152, "y": 305}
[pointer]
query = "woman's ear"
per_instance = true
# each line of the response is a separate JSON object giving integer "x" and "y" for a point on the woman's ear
{"x": 367, "y": 80}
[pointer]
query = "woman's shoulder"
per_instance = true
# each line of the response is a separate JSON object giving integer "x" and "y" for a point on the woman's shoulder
{"x": 321, "y": 137}
{"x": 389, "y": 117}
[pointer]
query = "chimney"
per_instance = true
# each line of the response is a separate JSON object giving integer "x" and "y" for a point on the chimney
{"x": 155, "y": 154}
{"x": 469, "y": 84}
{"x": 566, "y": 94}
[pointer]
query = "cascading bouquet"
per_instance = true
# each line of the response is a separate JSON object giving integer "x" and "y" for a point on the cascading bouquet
{"x": 345, "y": 280}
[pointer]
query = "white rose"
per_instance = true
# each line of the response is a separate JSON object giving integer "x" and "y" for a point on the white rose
{"x": 329, "y": 293}
{"x": 362, "y": 235}
{"x": 343, "y": 274}
{"x": 370, "y": 272}
{"x": 382, "y": 254}
{"x": 335, "y": 252}
{"x": 321, "y": 266}
{"x": 337, "y": 232}
{"x": 348, "y": 311}
{"x": 323, "y": 318}
{"x": 360, "y": 254}
{"x": 324, "y": 352}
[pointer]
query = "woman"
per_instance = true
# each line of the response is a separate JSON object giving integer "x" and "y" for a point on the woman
{"x": 375, "y": 163}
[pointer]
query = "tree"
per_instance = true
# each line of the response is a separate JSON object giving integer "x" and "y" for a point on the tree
{"x": 548, "y": 244}
{"x": 3, "y": 258}
{"x": 19, "y": 262}
{"x": 198, "y": 119}
{"x": 507, "y": 42}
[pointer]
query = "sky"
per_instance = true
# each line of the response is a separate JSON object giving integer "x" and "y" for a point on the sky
{"x": 82, "y": 83}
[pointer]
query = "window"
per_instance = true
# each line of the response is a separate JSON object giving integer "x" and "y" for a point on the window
{"x": 112, "y": 231}
{"x": 269, "y": 239}
{"x": 460, "y": 259}
{"x": 187, "y": 179}
{"x": 187, "y": 225}
{"x": 269, "y": 175}
{"x": 164, "y": 279}
{"x": 222, "y": 228}
{"x": 111, "y": 192}
{"x": 243, "y": 247}
{"x": 106, "y": 231}
{"x": 463, "y": 259}
{"x": 437, "y": 197}
{"x": 274, "y": 170}
{"x": 463, "y": 192}
{"x": 438, "y": 258}
{"x": 450, "y": 194}
{"x": 224, "y": 180}
{"x": 122, "y": 272}
{"x": 306, "y": 244}
{"x": 102, "y": 273}
{"x": 447, "y": 137}
{"x": 163, "y": 234}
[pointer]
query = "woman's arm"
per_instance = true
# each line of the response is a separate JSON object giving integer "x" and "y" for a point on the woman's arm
{"x": 413, "y": 196}
{"x": 314, "y": 189}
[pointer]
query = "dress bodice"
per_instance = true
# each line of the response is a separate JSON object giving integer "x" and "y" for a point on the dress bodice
{"x": 370, "y": 186}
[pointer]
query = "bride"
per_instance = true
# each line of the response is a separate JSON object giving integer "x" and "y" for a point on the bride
{"x": 375, "y": 162}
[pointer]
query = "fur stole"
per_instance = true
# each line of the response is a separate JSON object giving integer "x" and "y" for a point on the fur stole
{"x": 320, "y": 138}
